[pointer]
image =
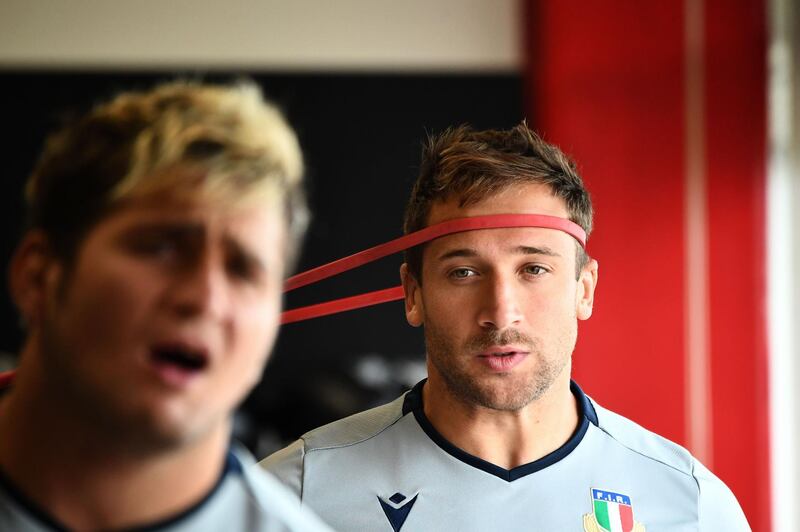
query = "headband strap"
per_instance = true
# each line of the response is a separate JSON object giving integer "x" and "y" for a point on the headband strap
{"x": 493, "y": 221}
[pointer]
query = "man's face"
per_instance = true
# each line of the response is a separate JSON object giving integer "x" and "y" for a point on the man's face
{"x": 500, "y": 306}
{"x": 165, "y": 318}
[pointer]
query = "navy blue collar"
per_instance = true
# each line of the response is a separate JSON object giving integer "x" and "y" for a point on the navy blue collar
{"x": 586, "y": 414}
{"x": 232, "y": 466}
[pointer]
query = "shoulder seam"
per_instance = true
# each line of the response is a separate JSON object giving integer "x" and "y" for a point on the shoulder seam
{"x": 697, "y": 495}
{"x": 689, "y": 473}
{"x": 302, "y": 469}
{"x": 348, "y": 444}
{"x": 640, "y": 453}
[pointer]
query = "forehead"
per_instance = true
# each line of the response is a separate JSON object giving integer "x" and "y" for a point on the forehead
{"x": 533, "y": 198}
{"x": 519, "y": 199}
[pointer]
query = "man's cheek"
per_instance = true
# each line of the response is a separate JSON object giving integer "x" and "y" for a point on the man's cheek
{"x": 107, "y": 307}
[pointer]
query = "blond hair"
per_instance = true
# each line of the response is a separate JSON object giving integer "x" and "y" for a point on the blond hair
{"x": 180, "y": 138}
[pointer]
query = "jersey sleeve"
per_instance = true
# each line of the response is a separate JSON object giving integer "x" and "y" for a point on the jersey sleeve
{"x": 718, "y": 507}
{"x": 282, "y": 508}
{"x": 287, "y": 466}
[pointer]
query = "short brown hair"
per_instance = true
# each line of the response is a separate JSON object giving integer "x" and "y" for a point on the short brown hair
{"x": 474, "y": 165}
{"x": 181, "y": 138}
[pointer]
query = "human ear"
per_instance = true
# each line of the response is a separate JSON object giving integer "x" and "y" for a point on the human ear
{"x": 28, "y": 273}
{"x": 413, "y": 297}
{"x": 584, "y": 295}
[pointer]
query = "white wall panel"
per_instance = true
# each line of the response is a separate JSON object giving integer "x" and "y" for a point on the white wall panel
{"x": 471, "y": 35}
{"x": 783, "y": 240}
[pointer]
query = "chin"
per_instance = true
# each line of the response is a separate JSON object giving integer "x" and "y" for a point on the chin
{"x": 504, "y": 400}
{"x": 509, "y": 393}
{"x": 168, "y": 427}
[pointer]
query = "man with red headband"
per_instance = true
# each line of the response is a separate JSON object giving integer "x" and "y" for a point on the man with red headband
{"x": 498, "y": 437}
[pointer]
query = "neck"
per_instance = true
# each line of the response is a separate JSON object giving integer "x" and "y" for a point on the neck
{"x": 86, "y": 478}
{"x": 505, "y": 438}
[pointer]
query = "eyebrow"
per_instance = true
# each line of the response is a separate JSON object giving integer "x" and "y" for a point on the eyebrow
{"x": 519, "y": 250}
{"x": 181, "y": 230}
{"x": 188, "y": 230}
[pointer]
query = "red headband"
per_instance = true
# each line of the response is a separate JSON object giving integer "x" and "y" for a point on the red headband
{"x": 494, "y": 221}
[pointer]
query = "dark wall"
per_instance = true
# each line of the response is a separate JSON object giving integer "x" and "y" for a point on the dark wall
{"x": 361, "y": 137}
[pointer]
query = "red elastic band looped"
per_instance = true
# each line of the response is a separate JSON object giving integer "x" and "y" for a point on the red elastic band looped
{"x": 494, "y": 221}
{"x": 342, "y": 305}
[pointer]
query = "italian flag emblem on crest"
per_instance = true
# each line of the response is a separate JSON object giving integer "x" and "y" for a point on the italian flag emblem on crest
{"x": 612, "y": 512}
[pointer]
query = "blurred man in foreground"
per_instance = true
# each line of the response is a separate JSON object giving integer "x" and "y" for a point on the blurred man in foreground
{"x": 498, "y": 437}
{"x": 161, "y": 227}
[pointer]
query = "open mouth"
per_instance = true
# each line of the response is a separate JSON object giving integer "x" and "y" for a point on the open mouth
{"x": 180, "y": 357}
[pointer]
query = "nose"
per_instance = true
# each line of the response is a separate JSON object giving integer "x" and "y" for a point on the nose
{"x": 500, "y": 306}
{"x": 201, "y": 288}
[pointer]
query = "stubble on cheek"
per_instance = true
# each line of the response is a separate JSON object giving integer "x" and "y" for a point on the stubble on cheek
{"x": 510, "y": 391}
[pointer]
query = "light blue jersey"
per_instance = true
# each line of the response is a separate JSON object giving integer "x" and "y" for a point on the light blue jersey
{"x": 245, "y": 500}
{"x": 388, "y": 469}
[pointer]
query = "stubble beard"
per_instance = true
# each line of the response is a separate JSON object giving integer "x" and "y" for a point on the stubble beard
{"x": 509, "y": 391}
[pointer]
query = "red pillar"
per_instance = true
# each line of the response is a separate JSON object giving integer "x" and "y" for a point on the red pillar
{"x": 610, "y": 82}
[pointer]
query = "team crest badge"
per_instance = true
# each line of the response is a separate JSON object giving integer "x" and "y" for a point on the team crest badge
{"x": 612, "y": 512}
